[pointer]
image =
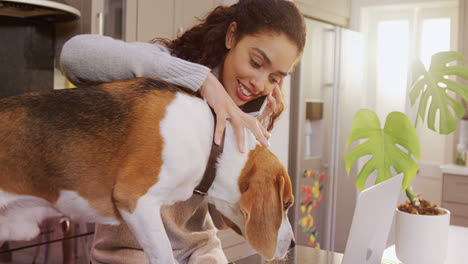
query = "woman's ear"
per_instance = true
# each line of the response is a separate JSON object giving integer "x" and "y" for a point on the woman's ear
{"x": 231, "y": 35}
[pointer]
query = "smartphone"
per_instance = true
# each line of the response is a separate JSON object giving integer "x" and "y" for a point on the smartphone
{"x": 256, "y": 106}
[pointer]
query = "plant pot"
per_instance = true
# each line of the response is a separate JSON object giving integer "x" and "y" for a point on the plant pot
{"x": 421, "y": 238}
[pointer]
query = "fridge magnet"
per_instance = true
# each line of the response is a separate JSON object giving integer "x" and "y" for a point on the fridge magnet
{"x": 312, "y": 197}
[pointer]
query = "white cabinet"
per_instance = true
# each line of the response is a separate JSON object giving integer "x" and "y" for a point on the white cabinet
{"x": 332, "y": 11}
{"x": 187, "y": 12}
{"x": 147, "y": 19}
{"x": 138, "y": 20}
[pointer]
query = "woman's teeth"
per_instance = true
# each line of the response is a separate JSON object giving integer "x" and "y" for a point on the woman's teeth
{"x": 243, "y": 90}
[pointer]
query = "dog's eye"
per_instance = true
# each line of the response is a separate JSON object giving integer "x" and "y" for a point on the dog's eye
{"x": 287, "y": 205}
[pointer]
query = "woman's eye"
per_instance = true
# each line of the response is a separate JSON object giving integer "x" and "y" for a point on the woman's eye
{"x": 273, "y": 80}
{"x": 255, "y": 64}
{"x": 287, "y": 205}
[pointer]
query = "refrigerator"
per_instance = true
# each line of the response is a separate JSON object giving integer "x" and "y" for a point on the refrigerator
{"x": 326, "y": 92}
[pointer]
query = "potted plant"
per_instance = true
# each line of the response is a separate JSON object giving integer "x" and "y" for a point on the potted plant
{"x": 421, "y": 227}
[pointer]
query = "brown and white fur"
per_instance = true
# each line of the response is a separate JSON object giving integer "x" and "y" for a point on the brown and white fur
{"x": 121, "y": 152}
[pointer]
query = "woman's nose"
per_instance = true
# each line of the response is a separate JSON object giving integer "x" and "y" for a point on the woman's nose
{"x": 259, "y": 83}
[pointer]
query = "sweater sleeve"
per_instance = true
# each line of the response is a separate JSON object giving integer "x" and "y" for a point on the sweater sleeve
{"x": 92, "y": 59}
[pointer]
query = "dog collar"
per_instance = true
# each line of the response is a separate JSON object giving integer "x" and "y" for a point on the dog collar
{"x": 210, "y": 171}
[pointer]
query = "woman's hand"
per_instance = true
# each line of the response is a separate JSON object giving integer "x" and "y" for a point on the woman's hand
{"x": 225, "y": 108}
{"x": 275, "y": 102}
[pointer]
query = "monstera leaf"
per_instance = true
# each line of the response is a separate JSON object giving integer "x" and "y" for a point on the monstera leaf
{"x": 435, "y": 85}
{"x": 392, "y": 146}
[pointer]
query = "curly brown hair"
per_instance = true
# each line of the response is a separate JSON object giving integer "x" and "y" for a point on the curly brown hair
{"x": 205, "y": 42}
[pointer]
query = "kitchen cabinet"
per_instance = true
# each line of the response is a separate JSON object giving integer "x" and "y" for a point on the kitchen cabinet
{"x": 455, "y": 193}
{"x": 136, "y": 20}
{"x": 335, "y": 12}
{"x": 147, "y": 19}
{"x": 105, "y": 17}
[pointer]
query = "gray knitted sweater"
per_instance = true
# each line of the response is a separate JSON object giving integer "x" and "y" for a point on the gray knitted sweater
{"x": 98, "y": 59}
{"x": 92, "y": 59}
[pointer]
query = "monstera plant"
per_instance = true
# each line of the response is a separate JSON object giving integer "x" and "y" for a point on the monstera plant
{"x": 435, "y": 84}
{"x": 383, "y": 145}
{"x": 396, "y": 146}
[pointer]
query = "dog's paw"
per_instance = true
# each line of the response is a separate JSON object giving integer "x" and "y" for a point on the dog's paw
{"x": 18, "y": 230}
{"x": 29, "y": 231}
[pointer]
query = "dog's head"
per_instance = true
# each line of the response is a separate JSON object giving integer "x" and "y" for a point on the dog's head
{"x": 266, "y": 196}
{"x": 260, "y": 215}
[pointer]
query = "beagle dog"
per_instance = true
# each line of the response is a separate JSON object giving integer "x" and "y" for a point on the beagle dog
{"x": 120, "y": 152}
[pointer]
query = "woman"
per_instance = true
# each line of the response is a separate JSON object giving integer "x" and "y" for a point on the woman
{"x": 238, "y": 53}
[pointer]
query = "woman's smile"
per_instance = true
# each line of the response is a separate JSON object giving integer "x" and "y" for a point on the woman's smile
{"x": 244, "y": 92}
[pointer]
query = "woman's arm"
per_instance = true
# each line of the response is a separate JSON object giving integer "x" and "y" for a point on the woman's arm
{"x": 94, "y": 59}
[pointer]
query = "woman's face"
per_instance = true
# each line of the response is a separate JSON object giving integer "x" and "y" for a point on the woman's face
{"x": 255, "y": 64}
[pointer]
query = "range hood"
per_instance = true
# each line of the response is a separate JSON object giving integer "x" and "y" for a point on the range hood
{"x": 44, "y": 10}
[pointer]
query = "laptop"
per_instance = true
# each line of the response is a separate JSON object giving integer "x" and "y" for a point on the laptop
{"x": 372, "y": 220}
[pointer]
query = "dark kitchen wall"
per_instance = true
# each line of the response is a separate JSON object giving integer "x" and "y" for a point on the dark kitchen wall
{"x": 27, "y": 51}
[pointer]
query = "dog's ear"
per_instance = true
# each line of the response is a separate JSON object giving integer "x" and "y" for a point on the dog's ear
{"x": 261, "y": 205}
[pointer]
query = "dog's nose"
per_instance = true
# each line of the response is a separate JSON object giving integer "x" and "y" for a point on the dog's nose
{"x": 292, "y": 245}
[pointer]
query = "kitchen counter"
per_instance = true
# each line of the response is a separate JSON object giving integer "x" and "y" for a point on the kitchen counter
{"x": 454, "y": 169}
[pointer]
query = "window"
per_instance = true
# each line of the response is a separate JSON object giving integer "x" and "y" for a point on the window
{"x": 392, "y": 65}
{"x": 395, "y": 35}
{"x": 435, "y": 37}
